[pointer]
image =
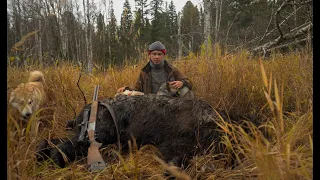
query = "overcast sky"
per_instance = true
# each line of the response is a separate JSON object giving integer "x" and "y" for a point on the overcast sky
{"x": 118, "y": 5}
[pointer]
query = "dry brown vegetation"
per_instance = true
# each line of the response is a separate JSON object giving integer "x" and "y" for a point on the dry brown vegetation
{"x": 279, "y": 91}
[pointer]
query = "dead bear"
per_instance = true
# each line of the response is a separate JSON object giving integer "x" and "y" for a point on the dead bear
{"x": 179, "y": 128}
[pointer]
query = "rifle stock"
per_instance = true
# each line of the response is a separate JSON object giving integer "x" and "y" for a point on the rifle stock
{"x": 94, "y": 159}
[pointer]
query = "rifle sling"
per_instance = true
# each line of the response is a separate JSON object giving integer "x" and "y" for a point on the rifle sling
{"x": 114, "y": 120}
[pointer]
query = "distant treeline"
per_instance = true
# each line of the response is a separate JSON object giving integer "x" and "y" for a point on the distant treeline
{"x": 44, "y": 31}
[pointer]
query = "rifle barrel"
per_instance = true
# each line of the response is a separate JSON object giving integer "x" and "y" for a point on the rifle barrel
{"x": 96, "y": 91}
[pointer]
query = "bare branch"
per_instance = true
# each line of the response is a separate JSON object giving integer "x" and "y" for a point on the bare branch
{"x": 231, "y": 25}
{"x": 282, "y": 6}
{"x": 285, "y": 19}
{"x": 80, "y": 74}
{"x": 303, "y": 3}
{"x": 285, "y": 37}
{"x": 16, "y": 46}
{"x": 298, "y": 27}
{"x": 265, "y": 33}
{"x": 280, "y": 24}
{"x": 288, "y": 44}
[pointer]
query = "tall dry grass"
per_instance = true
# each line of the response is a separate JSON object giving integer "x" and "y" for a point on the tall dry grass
{"x": 278, "y": 90}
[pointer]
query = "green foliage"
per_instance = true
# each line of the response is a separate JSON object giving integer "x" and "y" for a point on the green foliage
{"x": 190, "y": 18}
{"x": 207, "y": 51}
{"x": 190, "y": 28}
{"x": 141, "y": 31}
{"x": 157, "y": 22}
{"x": 142, "y": 6}
{"x": 100, "y": 41}
{"x": 126, "y": 33}
{"x": 113, "y": 40}
{"x": 172, "y": 30}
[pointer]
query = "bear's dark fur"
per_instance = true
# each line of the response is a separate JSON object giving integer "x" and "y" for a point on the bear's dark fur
{"x": 178, "y": 127}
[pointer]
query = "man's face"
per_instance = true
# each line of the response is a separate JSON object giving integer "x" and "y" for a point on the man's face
{"x": 156, "y": 56}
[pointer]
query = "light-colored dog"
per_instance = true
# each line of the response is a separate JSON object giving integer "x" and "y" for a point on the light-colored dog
{"x": 29, "y": 97}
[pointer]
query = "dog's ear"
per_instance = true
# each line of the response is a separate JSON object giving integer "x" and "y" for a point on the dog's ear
{"x": 11, "y": 96}
{"x": 21, "y": 85}
{"x": 9, "y": 90}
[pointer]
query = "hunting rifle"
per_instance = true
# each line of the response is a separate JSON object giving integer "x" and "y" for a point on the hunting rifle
{"x": 94, "y": 159}
{"x": 84, "y": 127}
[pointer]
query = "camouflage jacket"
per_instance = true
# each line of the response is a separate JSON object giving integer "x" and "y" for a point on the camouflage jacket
{"x": 143, "y": 83}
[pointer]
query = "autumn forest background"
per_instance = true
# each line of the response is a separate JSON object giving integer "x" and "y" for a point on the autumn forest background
{"x": 248, "y": 58}
{"x": 46, "y": 31}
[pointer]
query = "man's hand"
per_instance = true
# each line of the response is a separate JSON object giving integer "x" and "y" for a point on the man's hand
{"x": 176, "y": 84}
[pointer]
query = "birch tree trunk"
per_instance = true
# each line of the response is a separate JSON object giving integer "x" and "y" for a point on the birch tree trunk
{"x": 295, "y": 14}
{"x": 104, "y": 35}
{"x": 179, "y": 36}
{"x": 207, "y": 30}
{"x": 216, "y": 4}
{"x": 86, "y": 33}
{"x": 78, "y": 36}
{"x": 17, "y": 27}
{"x": 89, "y": 45}
{"x": 57, "y": 26}
{"x": 39, "y": 43}
{"x": 220, "y": 11}
{"x": 87, "y": 36}
{"x": 109, "y": 33}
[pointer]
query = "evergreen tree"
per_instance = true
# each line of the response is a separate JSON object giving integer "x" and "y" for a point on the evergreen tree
{"x": 99, "y": 43}
{"x": 69, "y": 28}
{"x": 139, "y": 34}
{"x": 173, "y": 19}
{"x": 141, "y": 7}
{"x": 141, "y": 26}
{"x": 137, "y": 25}
{"x": 201, "y": 20}
{"x": 156, "y": 23}
{"x": 147, "y": 31}
{"x": 112, "y": 39}
{"x": 126, "y": 33}
{"x": 172, "y": 26}
{"x": 164, "y": 29}
{"x": 190, "y": 28}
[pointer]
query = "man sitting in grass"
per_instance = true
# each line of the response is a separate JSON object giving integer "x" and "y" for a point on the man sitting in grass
{"x": 159, "y": 73}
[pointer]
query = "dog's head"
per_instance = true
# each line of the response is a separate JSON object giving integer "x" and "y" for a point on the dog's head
{"x": 24, "y": 98}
